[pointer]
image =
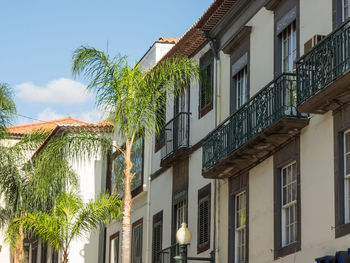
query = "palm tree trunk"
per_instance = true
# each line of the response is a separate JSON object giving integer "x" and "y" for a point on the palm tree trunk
{"x": 19, "y": 251}
{"x": 127, "y": 203}
{"x": 65, "y": 256}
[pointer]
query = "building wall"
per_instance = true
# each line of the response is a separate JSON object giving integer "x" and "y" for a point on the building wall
{"x": 316, "y": 153}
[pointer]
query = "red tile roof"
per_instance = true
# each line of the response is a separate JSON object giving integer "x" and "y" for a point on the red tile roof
{"x": 100, "y": 127}
{"x": 168, "y": 39}
{"x": 194, "y": 38}
{"x": 47, "y": 125}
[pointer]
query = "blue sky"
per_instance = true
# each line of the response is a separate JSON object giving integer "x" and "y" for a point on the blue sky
{"x": 38, "y": 37}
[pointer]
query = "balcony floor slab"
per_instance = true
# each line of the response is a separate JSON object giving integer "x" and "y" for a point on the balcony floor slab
{"x": 258, "y": 149}
{"x": 331, "y": 97}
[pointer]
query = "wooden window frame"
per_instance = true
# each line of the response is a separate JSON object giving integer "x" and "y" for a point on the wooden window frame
{"x": 206, "y": 60}
{"x": 204, "y": 193}
{"x": 180, "y": 180}
{"x": 238, "y": 49}
{"x": 341, "y": 124}
{"x": 111, "y": 157}
{"x": 111, "y": 238}
{"x": 288, "y": 154}
{"x": 337, "y": 13}
{"x": 237, "y": 185}
{"x": 281, "y": 10}
{"x": 157, "y": 218}
{"x": 134, "y": 225}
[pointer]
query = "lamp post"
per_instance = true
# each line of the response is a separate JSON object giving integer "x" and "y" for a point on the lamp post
{"x": 183, "y": 238}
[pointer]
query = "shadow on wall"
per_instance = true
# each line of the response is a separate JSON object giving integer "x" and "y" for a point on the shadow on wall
{"x": 93, "y": 250}
{"x": 90, "y": 250}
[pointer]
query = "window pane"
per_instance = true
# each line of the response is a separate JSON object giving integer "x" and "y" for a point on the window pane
{"x": 137, "y": 244}
{"x": 289, "y": 48}
{"x": 119, "y": 166}
{"x": 240, "y": 233}
{"x": 289, "y": 206}
{"x": 241, "y": 86}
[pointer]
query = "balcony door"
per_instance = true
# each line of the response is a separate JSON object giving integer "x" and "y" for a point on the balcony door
{"x": 345, "y": 9}
{"x": 180, "y": 119}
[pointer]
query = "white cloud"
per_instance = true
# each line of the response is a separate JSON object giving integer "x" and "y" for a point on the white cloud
{"x": 89, "y": 116}
{"x": 60, "y": 91}
{"x": 92, "y": 116}
{"x": 49, "y": 114}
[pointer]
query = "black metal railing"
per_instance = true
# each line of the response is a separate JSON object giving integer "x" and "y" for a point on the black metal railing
{"x": 167, "y": 255}
{"x": 176, "y": 134}
{"x": 274, "y": 101}
{"x": 323, "y": 64}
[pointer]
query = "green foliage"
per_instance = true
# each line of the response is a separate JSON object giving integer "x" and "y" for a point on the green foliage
{"x": 131, "y": 95}
{"x": 119, "y": 166}
{"x": 30, "y": 184}
{"x": 7, "y": 105}
{"x": 70, "y": 218}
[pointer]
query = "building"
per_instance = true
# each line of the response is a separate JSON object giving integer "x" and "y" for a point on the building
{"x": 92, "y": 178}
{"x": 255, "y": 158}
{"x": 256, "y": 162}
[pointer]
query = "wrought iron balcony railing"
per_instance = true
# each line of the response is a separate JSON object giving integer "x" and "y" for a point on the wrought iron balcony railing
{"x": 323, "y": 64}
{"x": 167, "y": 255}
{"x": 273, "y": 102}
{"x": 176, "y": 135}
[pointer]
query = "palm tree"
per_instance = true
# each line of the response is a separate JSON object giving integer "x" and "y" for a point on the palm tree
{"x": 27, "y": 184}
{"x": 70, "y": 218}
{"x": 133, "y": 98}
{"x": 7, "y": 105}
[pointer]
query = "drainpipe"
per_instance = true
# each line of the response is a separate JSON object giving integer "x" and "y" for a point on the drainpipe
{"x": 214, "y": 45}
{"x": 149, "y": 221}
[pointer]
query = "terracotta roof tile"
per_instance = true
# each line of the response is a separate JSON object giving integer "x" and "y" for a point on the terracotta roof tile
{"x": 168, "y": 39}
{"x": 194, "y": 38}
{"x": 47, "y": 125}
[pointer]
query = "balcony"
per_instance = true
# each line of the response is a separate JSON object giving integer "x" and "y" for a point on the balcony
{"x": 255, "y": 131}
{"x": 167, "y": 255}
{"x": 323, "y": 73}
{"x": 176, "y": 138}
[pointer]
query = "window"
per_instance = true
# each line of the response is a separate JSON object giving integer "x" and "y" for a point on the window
{"x": 34, "y": 248}
{"x": 206, "y": 84}
{"x": 240, "y": 227}
{"x": 114, "y": 248}
{"x": 289, "y": 204}
{"x": 289, "y": 47}
{"x": 347, "y": 176}
{"x": 161, "y": 117}
{"x": 136, "y": 248}
{"x": 238, "y": 218}
{"x": 179, "y": 211}
{"x": 157, "y": 237}
{"x": 345, "y": 9}
{"x": 116, "y": 174}
{"x": 203, "y": 235}
{"x": 286, "y": 27}
{"x": 240, "y": 84}
{"x": 54, "y": 257}
{"x": 43, "y": 257}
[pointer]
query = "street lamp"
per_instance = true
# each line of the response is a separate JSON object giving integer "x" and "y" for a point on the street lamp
{"x": 183, "y": 238}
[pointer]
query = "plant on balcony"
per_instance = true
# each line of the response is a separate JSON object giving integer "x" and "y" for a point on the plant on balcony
{"x": 132, "y": 98}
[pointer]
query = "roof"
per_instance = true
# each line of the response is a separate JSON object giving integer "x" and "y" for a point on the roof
{"x": 100, "y": 127}
{"x": 44, "y": 125}
{"x": 194, "y": 37}
{"x": 171, "y": 40}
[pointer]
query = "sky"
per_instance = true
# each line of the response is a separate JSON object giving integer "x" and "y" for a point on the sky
{"x": 37, "y": 38}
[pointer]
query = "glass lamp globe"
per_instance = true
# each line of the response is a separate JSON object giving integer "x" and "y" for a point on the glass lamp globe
{"x": 183, "y": 235}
